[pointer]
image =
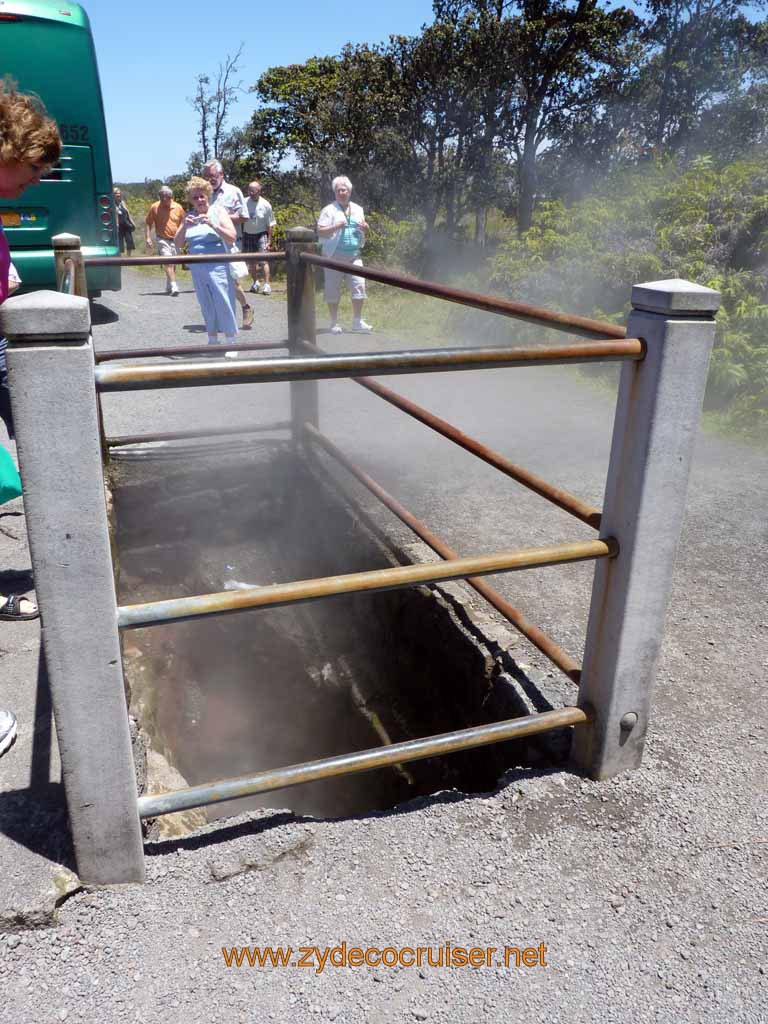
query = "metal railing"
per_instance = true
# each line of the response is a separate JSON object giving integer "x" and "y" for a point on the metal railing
{"x": 67, "y": 283}
{"x": 664, "y": 368}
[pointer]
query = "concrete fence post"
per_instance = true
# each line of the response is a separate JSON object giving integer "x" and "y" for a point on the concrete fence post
{"x": 67, "y": 247}
{"x": 657, "y": 415}
{"x": 51, "y": 376}
{"x": 305, "y": 405}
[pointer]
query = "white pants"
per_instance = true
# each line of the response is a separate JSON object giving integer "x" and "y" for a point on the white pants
{"x": 333, "y": 279}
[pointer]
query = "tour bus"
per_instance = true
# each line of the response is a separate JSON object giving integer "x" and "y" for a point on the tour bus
{"x": 47, "y": 48}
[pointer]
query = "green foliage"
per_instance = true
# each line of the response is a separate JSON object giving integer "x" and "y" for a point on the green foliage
{"x": 398, "y": 245}
{"x": 707, "y": 224}
{"x": 293, "y": 215}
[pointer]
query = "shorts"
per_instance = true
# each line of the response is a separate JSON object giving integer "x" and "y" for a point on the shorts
{"x": 165, "y": 247}
{"x": 333, "y": 279}
{"x": 256, "y": 243}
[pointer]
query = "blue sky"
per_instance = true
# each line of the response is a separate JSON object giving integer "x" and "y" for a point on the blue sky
{"x": 150, "y": 53}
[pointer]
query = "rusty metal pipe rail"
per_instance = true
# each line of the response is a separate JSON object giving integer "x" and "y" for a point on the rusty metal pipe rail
{"x": 572, "y": 324}
{"x": 514, "y": 616}
{"x": 110, "y": 355}
{"x": 139, "y": 377}
{"x": 166, "y": 261}
{"x": 152, "y": 613}
{"x": 361, "y": 761}
{"x": 563, "y": 499}
{"x": 122, "y": 440}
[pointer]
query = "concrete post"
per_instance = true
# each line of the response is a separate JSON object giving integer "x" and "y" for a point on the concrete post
{"x": 657, "y": 414}
{"x": 51, "y": 375}
{"x": 67, "y": 247}
{"x": 305, "y": 404}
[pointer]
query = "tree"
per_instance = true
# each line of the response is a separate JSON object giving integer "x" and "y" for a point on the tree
{"x": 700, "y": 52}
{"x": 535, "y": 69}
{"x": 401, "y": 119}
{"x": 559, "y": 50}
{"x": 202, "y": 102}
{"x": 336, "y": 115}
{"x": 213, "y": 104}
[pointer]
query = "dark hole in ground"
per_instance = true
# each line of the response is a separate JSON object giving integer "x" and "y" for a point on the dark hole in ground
{"x": 261, "y": 689}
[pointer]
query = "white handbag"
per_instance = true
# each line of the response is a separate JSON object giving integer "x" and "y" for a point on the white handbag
{"x": 238, "y": 267}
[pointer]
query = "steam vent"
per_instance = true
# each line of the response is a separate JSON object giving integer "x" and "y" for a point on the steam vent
{"x": 260, "y": 689}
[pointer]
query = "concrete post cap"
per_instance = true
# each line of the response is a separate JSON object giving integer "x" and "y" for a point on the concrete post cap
{"x": 45, "y": 316}
{"x": 676, "y": 297}
{"x": 301, "y": 235}
{"x": 65, "y": 241}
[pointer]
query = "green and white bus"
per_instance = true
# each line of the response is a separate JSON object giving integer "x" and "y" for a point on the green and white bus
{"x": 47, "y": 47}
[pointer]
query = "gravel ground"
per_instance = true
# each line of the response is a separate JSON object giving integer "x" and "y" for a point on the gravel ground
{"x": 648, "y": 891}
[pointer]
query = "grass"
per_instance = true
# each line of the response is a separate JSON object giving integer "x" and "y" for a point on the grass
{"x": 392, "y": 311}
{"x": 413, "y": 318}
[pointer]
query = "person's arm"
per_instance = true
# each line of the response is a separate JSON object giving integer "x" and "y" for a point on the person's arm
{"x": 239, "y": 212}
{"x": 221, "y": 223}
{"x": 14, "y": 281}
{"x": 362, "y": 223}
{"x": 272, "y": 225}
{"x": 149, "y": 221}
{"x": 329, "y": 221}
{"x": 181, "y": 235}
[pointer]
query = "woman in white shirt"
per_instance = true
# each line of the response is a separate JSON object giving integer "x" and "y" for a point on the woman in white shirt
{"x": 341, "y": 228}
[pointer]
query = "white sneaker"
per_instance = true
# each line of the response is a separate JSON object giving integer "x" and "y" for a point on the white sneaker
{"x": 267, "y": 290}
{"x": 8, "y": 731}
{"x": 230, "y": 355}
{"x": 361, "y": 327}
{"x": 174, "y": 289}
{"x": 255, "y": 288}
{"x": 337, "y": 329}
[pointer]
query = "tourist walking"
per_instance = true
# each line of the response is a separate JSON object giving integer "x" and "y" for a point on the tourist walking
{"x": 231, "y": 199}
{"x": 257, "y": 234}
{"x": 166, "y": 217}
{"x": 341, "y": 228}
{"x": 125, "y": 223}
{"x": 206, "y": 230}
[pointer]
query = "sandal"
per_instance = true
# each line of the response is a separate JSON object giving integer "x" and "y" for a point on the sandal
{"x": 12, "y": 610}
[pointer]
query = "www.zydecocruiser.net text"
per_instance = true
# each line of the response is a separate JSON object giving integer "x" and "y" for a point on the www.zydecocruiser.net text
{"x": 318, "y": 958}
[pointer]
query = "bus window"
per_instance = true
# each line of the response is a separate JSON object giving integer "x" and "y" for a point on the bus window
{"x": 47, "y": 48}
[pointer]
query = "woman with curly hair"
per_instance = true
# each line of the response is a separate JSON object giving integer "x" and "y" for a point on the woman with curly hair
{"x": 29, "y": 141}
{"x": 208, "y": 230}
{"x": 29, "y": 146}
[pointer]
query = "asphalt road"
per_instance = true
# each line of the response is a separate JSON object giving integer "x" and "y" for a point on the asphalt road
{"x": 649, "y": 891}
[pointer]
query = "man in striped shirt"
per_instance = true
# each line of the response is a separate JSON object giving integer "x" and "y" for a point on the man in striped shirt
{"x": 231, "y": 198}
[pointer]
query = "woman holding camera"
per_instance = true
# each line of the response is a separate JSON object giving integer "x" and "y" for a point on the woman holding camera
{"x": 208, "y": 230}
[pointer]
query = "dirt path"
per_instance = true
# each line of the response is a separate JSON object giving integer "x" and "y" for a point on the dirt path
{"x": 648, "y": 891}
